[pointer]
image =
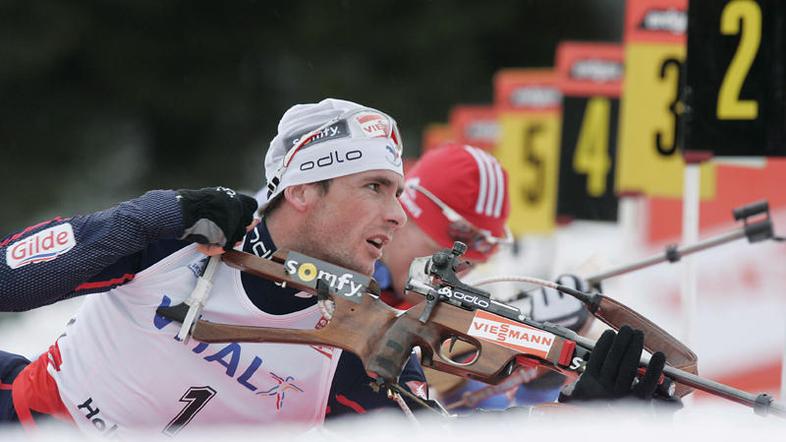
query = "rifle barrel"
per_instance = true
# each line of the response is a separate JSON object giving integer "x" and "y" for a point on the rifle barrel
{"x": 762, "y": 404}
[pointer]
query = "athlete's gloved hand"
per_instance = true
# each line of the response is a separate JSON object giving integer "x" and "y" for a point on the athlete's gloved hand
{"x": 550, "y": 305}
{"x": 613, "y": 366}
{"x": 215, "y": 215}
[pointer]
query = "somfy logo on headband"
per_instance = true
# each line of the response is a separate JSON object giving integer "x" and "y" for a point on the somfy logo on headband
{"x": 339, "y": 129}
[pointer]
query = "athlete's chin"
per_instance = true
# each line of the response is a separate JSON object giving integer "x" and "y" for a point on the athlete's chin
{"x": 365, "y": 265}
{"x": 358, "y": 263}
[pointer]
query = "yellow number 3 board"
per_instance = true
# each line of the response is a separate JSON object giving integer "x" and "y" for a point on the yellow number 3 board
{"x": 650, "y": 158}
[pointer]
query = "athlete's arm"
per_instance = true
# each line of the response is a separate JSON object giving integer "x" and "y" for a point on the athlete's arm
{"x": 62, "y": 258}
{"x": 48, "y": 262}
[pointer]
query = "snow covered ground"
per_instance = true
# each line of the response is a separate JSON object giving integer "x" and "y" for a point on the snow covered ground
{"x": 702, "y": 423}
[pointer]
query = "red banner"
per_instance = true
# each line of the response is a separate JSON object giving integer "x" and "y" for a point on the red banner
{"x": 527, "y": 90}
{"x": 475, "y": 125}
{"x": 663, "y": 21}
{"x": 590, "y": 69}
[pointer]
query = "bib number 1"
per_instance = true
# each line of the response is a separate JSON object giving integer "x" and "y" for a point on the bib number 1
{"x": 195, "y": 399}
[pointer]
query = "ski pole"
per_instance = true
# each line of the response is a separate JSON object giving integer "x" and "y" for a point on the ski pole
{"x": 754, "y": 231}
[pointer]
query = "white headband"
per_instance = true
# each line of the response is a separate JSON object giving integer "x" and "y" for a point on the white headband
{"x": 329, "y": 139}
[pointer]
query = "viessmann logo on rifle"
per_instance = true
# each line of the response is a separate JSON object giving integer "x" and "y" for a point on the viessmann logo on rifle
{"x": 510, "y": 334}
{"x": 343, "y": 282}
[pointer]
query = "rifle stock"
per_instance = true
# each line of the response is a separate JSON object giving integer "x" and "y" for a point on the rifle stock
{"x": 383, "y": 337}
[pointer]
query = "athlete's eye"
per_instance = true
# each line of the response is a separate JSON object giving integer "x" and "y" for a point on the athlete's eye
{"x": 376, "y": 187}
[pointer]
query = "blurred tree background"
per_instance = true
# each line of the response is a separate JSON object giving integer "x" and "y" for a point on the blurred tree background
{"x": 102, "y": 100}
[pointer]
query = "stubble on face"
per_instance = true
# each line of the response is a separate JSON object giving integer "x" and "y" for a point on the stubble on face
{"x": 348, "y": 224}
{"x": 324, "y": 240}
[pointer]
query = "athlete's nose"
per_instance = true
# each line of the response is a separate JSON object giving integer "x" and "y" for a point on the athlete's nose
{"x": 396, "y": 214}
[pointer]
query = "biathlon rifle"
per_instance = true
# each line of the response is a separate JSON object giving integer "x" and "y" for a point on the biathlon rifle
{"x": 503, "y": 338}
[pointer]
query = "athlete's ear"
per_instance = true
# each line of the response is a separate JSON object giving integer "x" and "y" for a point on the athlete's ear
{"x": 301, "y": 196}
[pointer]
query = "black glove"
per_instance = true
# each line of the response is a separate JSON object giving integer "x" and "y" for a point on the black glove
{"x": 215, "y": 215}
{"x": 613, "y": 366}
{"x": 556, "y": 307}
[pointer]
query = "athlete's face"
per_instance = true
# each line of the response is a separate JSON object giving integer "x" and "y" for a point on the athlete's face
{"x": 352, "y": 223}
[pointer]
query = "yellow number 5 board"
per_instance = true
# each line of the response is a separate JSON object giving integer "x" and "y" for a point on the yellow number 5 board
{"x": 528, "y": 105}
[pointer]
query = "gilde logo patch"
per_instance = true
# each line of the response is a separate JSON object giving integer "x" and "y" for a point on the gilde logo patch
{"x": 45, "y": 245}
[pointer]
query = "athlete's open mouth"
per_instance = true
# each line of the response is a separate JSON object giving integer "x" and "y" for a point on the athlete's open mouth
{"x": 378, "y": 241}
{"x": 375, "y": 243}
